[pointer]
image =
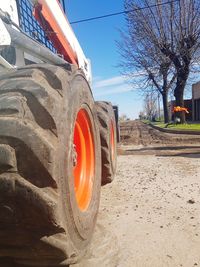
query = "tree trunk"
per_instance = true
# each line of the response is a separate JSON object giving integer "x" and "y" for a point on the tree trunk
{"x": 180, "y": 102}
{"x": 165, "y": 107}
{"x": 179, "y": 91}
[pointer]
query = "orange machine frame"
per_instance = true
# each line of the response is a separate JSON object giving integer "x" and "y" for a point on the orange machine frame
{"x": 50, "y": 26}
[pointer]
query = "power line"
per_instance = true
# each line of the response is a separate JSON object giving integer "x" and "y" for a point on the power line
{"x": 122, "y": 12}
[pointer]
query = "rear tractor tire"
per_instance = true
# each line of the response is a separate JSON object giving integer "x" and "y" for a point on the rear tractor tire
{"x": 50, "y": 176}
{"x": 108, "y": 136}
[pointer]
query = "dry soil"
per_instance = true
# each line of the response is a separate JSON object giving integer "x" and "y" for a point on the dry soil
{"x": 150, "y": 215}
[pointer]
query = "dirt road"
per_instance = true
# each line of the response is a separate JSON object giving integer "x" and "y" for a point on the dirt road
{"x": 150, "y": 215}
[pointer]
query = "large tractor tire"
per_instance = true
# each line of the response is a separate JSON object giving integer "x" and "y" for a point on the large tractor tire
{"x": 108, "y": 136}
{"x": 50, "y": 176}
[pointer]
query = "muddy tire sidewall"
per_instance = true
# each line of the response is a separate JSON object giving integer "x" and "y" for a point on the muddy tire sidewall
{"x": 79, "y": 224}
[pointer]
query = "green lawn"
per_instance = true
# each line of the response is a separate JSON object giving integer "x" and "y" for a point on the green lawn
{"x": 186, "y": 126}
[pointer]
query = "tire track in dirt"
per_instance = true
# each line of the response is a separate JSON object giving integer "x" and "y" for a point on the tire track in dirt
{"x": 138, "y": 133}
{"x": 149, "y": 215}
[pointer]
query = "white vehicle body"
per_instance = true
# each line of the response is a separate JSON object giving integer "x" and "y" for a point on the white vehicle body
{"x": 58, "y": 15}
{"x": 10, "y": 7}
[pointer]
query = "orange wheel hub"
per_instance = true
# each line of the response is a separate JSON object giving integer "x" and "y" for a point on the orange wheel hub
{"x": 84, "y": 159}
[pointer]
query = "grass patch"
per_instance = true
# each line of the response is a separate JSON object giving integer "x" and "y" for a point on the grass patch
{"x": 146, "y": 121}
{"x": 186, "y": 126}
{"x": 159, "y": 124}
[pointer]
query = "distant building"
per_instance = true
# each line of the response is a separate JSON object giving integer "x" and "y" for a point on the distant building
{"x": 196, "y": 101}
{"x": 193, "y": 105}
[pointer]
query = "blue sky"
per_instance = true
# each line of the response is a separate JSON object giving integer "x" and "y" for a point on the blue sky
{"x": 98, "y": 40}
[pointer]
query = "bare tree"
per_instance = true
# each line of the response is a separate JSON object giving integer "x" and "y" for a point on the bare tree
{"x": 173, "y": 29}
{"x": 155, "y": 68}
{"x": 150, "y": 107}
{"x": 142, "y": 115}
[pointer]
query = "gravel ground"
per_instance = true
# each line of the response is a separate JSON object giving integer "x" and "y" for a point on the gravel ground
{"x": 149, "y": 216}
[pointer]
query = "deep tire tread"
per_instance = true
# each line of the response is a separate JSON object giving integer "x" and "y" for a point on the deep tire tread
{"x": 29, "y": 127}
{"x": 105, "y": 113}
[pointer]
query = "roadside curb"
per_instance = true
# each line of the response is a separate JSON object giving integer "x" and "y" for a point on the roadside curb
{"x": 190, "y": 132}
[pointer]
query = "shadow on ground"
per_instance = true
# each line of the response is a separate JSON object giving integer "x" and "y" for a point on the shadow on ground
{"x": 189, "y": 151}
{"x": 186, "y": 155}
{"x": 103, "y": 250}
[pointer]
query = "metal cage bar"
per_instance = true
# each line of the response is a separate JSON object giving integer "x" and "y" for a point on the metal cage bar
{"x": 30, "y": 25}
